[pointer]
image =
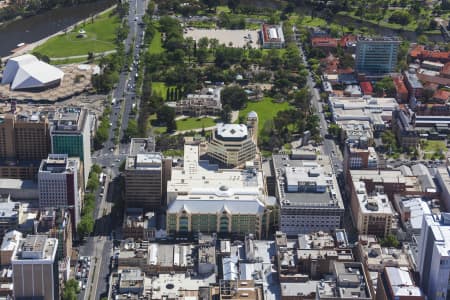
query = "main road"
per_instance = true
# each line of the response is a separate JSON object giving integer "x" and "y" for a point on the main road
{"x": 100, "y": 246}
{"x": 329, "y": 146}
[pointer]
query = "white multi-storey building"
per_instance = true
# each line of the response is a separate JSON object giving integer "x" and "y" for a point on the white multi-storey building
{"x": 58, "y": 184}
{"x": 434, "y": 256}
{"x": 308, "y": 193}
{"x": 35, "y": 268}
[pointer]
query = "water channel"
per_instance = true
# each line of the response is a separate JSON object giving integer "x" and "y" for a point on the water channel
{"x": 32, "y": 29}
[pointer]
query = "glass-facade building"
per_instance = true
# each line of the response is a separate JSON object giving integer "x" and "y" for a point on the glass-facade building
{"x": 376, "y": 55}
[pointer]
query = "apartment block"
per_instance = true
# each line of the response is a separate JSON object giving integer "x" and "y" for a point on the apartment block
{"x": 146, "y": 174}
{"x": 308, "y": 193}
{"x": 59, "y": 185}
{"x": 35, "y": 269}
{"x": 376, "y": 55}
{"x": 24, "y": 136}
{"x": 56, "y": 223}
{"x": 372, "y": 212}
{"x": 70, "y": 134}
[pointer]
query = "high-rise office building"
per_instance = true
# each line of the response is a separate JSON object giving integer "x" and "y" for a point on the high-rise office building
{"x": 376, "y": 55}
{"x": 71, "y": 134}
{"x": 24, "y": 141}
{"x": 203, "y": 198}
{"x": 24, "y": 136}
{"x": 145, "y": 176}
{"x": 58, "y": 184}
{"x": 232, "y": 145}
{"x": 35, "y": 269}
{"x": 434, "y": 256}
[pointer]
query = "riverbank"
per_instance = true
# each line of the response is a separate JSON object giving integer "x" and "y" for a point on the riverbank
{"x": 29, "y": 47}
{"x": 31, "y": 29}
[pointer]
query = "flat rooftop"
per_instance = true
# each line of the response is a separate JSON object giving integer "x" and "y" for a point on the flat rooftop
{"x": 142, "y": 146}
{"x": 35, "y": 247}
{"x": 165, "y": 285}
{"x": 316, "y": 173}
{"x": 193, "y": 181}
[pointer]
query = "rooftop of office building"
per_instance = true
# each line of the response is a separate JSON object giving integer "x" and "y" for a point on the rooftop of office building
{"x": 58, "y": 163}
{"x": 306, "y": 182}
{"x": 401, "y": 282}
{"x": 147, "y": 161}
{"x": 376, "y": 203}
{"x": 142, "y": 146}
{"x": 231, "y": 132}
{"x": 196, "y": 179}
{"x": 35, "y": 247}
{"x": 68, "y": 119}
{"x": 349, "y": 281}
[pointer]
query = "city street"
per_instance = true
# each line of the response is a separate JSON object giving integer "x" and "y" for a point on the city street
{"x": 100, "y": 245}
{"x": 329, "y": 146}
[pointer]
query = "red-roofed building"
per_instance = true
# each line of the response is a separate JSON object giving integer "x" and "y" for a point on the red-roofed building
{"x": 445, "y": 72}
{"x": 330, "y": 64}
{"x": 348, "y": 40}
{"x": 441, "y": 96}
{"x": 272, "y": 36}
{"x": 419, "y": 52}
{"x": 402, "y": 91}
{"x": 366, "y": 88}
{"x": 324, "y": 42}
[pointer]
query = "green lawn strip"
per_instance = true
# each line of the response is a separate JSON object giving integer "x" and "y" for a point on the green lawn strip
{"x": 156, "y": 44}
{"x": 434, "y": 146}
{"x": 100, "y": 37}
{"x": 195, "y": 123}
{"x": 160, "y": 88}
{"x": 266, "y": 110}
{"x": 383, "y": 23}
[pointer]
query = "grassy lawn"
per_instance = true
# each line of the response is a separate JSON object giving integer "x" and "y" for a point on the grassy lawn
{"x": 266, "y": 110}
{"x": 100, "y": 37}
{"x": 160, "y": 88}
{"x": 156, "y": 129}
{"x": 222, "y": 8}
{"x": 195, "y": 123}
{"x": 156, "y": 44}
{"x": 313, "y": 22}
{"x": 383, "y": 23}
{"x": 430, "y": 148}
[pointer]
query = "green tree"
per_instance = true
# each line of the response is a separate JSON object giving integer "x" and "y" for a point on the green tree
{"x": 70, "y": 290}
{"x": 225, "y": 115}
{"x": 234, "y": 96}
{"x": 400, "y": 17}
{"x": 86, "y": 226}
{"x": 96, "y": 169}
{"x": 166, "y": 116}
{"x": 233, "y": 4}
{"x": 132, "y": 130}
{"x": 390, "y": 241}
{"x": 385, "y": 86}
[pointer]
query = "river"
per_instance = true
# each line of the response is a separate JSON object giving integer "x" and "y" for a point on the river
{"x": 32, "y": 29}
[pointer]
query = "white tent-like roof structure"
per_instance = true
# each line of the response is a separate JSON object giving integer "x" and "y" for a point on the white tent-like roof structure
{"x": 27, "y": 72}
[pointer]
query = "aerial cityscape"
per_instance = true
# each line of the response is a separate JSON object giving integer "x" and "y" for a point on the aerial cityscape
{"x": 225, "y": 149}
